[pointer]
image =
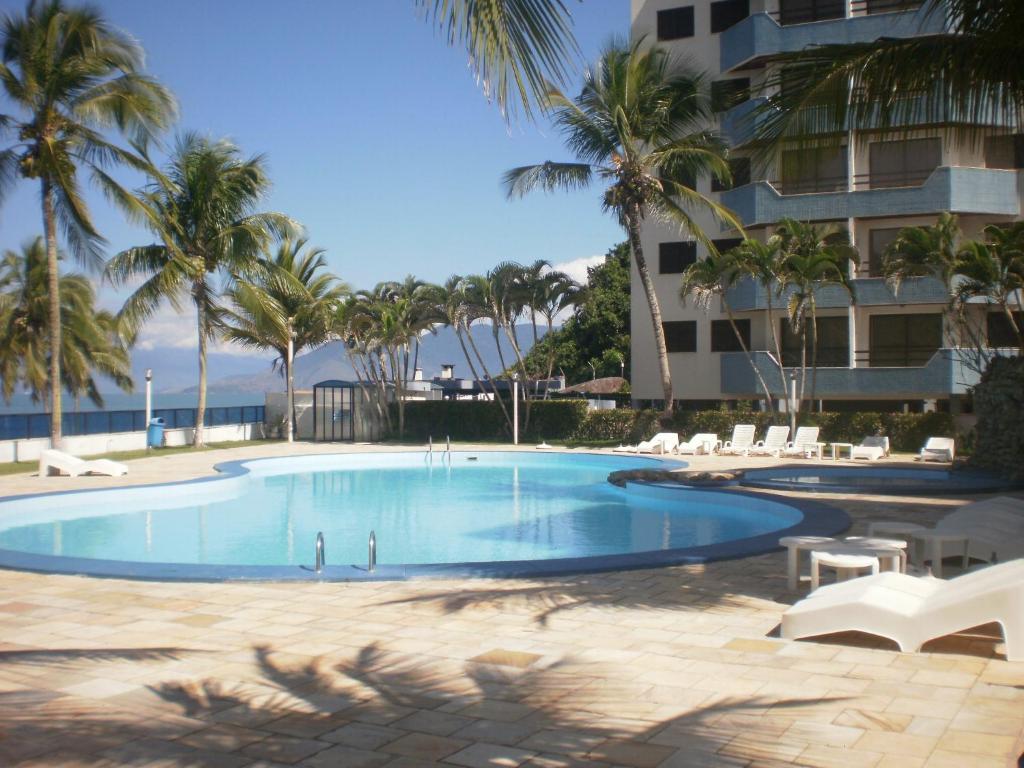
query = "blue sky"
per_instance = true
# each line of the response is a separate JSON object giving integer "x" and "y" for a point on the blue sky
{"x": 377, "y": 137}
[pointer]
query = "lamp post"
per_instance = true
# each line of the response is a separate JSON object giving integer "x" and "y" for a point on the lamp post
{"x": 290, "y": 383}
{"x": 149, "y": 402}
{"x": 515, "y": 409}
{"x": 792, "y": 402}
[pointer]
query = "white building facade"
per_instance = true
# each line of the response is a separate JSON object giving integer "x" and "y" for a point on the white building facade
{"x": 884, "y": 350}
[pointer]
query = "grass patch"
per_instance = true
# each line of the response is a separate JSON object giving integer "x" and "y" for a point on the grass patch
{"x": 19, "y": 467}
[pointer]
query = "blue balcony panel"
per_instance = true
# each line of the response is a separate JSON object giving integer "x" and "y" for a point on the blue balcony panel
{"x": 759, "y": 37}
{"x": 749, "y": 295}
{"x": 949, "y": 372}
{"x": 954, "y": 189}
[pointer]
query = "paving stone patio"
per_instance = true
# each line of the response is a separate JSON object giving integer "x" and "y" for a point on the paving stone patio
{"x": 667, "y": 667}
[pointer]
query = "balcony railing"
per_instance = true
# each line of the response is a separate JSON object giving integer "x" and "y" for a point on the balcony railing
{"x": 748, "y": 295}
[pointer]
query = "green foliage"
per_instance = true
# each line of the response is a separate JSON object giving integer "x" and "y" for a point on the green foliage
{"x": 556, "y": 418}
{"x": 999, "y": 405}
{"x": 458, "y": 419}
{"x": 617, "y": 424}
{"x": 599, "y": 328}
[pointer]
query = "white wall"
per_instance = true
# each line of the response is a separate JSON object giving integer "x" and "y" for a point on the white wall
{"x": 91, "y": 445}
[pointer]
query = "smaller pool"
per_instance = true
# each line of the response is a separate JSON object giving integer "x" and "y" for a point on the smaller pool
{"x": 871, "y": 479}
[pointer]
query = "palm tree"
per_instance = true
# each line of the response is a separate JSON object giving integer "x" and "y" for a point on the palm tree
{"x": 201, "y": 208}
{"x": 923, "y": 252}
{"x": 638, "y": 125}
{"x": 73, "y": 78}
{"x": 89, "y": 345}
{"x": 763, "y": 263}
{"x": 813, "y": 257}
{"x": 967, "y": 76}
{"x": 515, "y": 46}
{"x": 994, "y": 271}
{"x": 287, "y": 307}
{"x": 713, "y": 277}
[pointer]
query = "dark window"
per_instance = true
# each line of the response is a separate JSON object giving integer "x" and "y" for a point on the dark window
{"x": 833, "y": 343}
{"x": 879, "y": 241}
{"x": 1005, "y": 152}
{"x": 680, "y": 335}
{"x": 725, "y": 13}
{"x": 674, "y": 258}
{"x": 675, "y": 23}
{"x": 999, "y": 331}
{"x": 723, "y": 337}
{"x": 888, "y": 6}
{"x": 903, "y": 341}
{"x": 740, "y": 168}
{"x": 814, "y": 170}
{"x": 724, "y": 244}
{"x": 804, "y": 11}
{"x": 726, "y": 94}
{"x": 903, "y": 163}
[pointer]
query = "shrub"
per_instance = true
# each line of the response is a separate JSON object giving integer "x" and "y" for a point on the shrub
{"x": 554, "y": 419}
{"x": 607, "y": 425}
{"x": 999, "y": 405}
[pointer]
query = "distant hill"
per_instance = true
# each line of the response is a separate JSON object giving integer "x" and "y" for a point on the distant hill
{"x": 330, "y": 362}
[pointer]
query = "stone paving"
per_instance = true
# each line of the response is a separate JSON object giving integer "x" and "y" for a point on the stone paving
{"x": 666, "y": 667}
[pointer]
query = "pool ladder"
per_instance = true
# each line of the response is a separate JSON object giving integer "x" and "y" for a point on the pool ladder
{"x": 447, "y": 449}
{"x": 371, "y": 553}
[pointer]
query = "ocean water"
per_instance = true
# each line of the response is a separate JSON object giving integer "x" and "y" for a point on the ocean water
{"x": 136, "y": 401}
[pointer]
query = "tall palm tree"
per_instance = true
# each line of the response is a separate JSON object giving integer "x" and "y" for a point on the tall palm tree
{"x": 923, "y": 252}
{"x": 711, "y": 278}
{"x": 994, "y": 271}
{"x": 201, "y": 208}
{"x": 763, "y": 263}
{"x": 72, "y": 79}
{"x": 814, "y": 257}
{"x": 968, "y": 75}
{"x": 287, "y": 306}
{"x": 89, "y": 345}
{"x": 638, "y": 125}
{"x": 515, "y": 46}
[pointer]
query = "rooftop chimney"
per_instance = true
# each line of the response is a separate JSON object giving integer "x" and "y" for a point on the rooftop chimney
{"x": 447, "y": 370}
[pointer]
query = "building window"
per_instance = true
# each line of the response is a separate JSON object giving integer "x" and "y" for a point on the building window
{"x": 680, "y": 335}
{"x": 740, "y": 169}
{"x": 723, "y": 337}
{"x": 675, "y": 23}
{"x": 726, "y": 94}
{"x": 888, "y": 6}
{"x": 903, "y": 341}
{"x": 674, "y": 258}
{"x": 804, "y": 11}
{"x": 816, "y": 170}
{"x": 1006, "y": 152}
{"x": 878, "y": 241}
{"x": 725, "y": 13}
{"x": 725, "y": 244}
{"x": 999, "y": 332}
{"x": 833, "y": 343}
{"x": 906, "y": 163}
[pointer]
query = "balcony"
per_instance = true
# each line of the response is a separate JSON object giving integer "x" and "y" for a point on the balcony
{"x": 748, "y": 295}
{"x": 739, "y": 124}
{"x": 954, "y": 189}
{"x": 759, "y": 37}
{"x": 949, "y": 372}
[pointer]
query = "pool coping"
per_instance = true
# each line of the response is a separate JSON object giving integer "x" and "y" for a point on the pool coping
{"x": 924, "y": 488}
{"x": 819, "y": 519}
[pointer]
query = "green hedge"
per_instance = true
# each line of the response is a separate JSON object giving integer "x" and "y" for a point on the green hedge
{"x": 570, "y": 420}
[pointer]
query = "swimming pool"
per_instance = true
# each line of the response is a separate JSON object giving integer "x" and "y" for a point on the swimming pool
{"x": 873, "y": 479}
{"x": 486, "y": 513}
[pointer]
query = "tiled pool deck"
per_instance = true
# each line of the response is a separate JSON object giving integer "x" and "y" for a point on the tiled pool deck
{"x": 667, "y": 667}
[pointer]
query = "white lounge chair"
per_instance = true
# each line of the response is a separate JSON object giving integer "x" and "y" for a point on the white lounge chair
{"x": 804, "y": 443}
{"x": 703, "y": 442}
{"x": 911, "y": 610}
{"x": 938, "y": 449}
{"x": 872, "y": 448}
{"x": 774, "y": 442}
{"x": 742, "y": 440}
{"x": 54, "y": 462}
{"x": 663, "y": 442}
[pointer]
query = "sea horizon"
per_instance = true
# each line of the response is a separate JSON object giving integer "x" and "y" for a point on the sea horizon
{"x": 136, "y": 401}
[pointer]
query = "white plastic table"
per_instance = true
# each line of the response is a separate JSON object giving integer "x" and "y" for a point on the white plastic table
{"x": 837, "y": 449}
{"x": 895, "y": 549}
{"x": 933, "y": 541}
{"x": 846, "y": 563}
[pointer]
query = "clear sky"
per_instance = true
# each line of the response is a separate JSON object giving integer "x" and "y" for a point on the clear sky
{"x": 377, "y": 137}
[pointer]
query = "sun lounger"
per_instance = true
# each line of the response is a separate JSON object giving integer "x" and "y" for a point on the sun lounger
{"x": 663, "y": 442}
{"x": 911, "y": 610}
{"x": 742, "y": 440}
{"x": 938, "y": 449}
{"x": 872, "y": 448}
{"x": 53, "y": 462}
{"x": 804, "y": 443}
{"x": 703, "y": 442}
{"x": 774, "y": 442}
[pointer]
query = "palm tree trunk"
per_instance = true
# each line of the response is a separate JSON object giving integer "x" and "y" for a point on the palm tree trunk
{"x": 497, "y": 343}
{"x": 513, "y": 339}
{"x": 775, "y": 341}
{"x": 551, "y": 358}
{"x": 487, "y": 374}
{"x": 53, "y": 286}
{"x": 200, "y": 293}
{"x": 814, "y": 354}
{"x": 803, "y": 366}
{"x": 746, "y": 351}
{"x": 633, "y": 231}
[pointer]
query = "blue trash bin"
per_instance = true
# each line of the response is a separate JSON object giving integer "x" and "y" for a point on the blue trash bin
{"x": 155, "y": 433}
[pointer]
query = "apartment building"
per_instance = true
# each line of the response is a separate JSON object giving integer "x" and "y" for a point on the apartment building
{"x": 884, "y": 349}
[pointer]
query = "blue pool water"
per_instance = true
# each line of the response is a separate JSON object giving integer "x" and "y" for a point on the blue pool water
{"x": 489, "y": 506}
{"x": 872, "y": 479}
